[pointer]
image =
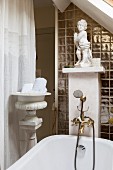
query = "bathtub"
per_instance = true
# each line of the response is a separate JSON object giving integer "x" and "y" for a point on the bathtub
{"x": 57, "y": 153}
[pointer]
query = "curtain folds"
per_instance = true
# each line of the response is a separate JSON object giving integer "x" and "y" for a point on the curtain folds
{"x": 17, "y": 60}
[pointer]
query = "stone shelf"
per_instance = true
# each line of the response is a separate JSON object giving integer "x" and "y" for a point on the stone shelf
{"x": 100, "y": 69}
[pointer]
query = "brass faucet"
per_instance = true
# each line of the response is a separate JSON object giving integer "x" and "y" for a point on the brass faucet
{"x": 82, "y": 120}
{"x": 87, "y": 121}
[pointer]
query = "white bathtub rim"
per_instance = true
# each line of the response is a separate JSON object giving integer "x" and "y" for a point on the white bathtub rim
{"x": 31, "y": 153}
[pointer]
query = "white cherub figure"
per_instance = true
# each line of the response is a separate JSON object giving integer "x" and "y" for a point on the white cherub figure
{"x": 83, "y": 45}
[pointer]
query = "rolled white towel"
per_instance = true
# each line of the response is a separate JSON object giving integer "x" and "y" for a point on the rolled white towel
{"x": 40, "y": 85}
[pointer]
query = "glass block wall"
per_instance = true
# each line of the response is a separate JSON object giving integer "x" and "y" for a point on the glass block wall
{"x": 102, "y": 47}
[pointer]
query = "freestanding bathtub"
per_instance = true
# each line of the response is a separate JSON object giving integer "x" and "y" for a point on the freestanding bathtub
{"x": 58, "y": 152}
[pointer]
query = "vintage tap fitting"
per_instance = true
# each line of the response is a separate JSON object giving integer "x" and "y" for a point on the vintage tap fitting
{"x": 87, "y": 121}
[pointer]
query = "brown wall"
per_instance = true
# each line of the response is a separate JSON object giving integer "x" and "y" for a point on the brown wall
{"x": 45, "y": 23}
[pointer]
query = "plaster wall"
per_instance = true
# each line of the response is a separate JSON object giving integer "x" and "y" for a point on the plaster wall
{"x": 44, "y": 17}
{"x": 45, "y": 23}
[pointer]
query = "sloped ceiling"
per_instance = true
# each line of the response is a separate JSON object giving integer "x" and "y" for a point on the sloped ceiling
{"x": 110, "y": 2}
{"x": 99, "y": 10}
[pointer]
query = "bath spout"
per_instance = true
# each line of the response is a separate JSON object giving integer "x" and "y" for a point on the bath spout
{"x": 87, "y": 121}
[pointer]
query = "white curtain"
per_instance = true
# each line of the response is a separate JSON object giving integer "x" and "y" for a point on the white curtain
{"x": 17, "y": 66}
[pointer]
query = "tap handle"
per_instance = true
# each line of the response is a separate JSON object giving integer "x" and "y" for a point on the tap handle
{"x": 75, "y": 121}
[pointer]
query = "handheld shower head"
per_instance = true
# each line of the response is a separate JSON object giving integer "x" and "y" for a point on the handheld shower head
{"x": 78, "y": 94}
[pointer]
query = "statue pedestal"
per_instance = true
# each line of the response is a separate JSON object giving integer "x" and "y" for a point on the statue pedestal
{"x": 88, "y": 81}
{"x": 29, "y": 103}
{"x": 31, "y": 122}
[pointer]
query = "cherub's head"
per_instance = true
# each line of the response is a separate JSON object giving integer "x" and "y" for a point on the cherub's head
{"x": 83, "y": 23}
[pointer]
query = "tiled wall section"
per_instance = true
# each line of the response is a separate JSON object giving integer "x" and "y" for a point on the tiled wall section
{"x": 102, "y": 47}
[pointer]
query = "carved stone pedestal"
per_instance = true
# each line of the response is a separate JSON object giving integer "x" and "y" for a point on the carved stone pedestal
{"x": 30, "y": 132}
{"x": 29, "y": 103}
{"x": 31, "y": 122}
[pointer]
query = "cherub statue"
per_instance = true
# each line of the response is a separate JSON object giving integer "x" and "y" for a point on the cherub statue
{"x": 83, "y": 52}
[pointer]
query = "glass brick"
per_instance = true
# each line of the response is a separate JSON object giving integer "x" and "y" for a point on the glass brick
{"x": 70, "y": 40}
{"x": 111, "y": 137}
{"x": 61, "y": 16}
{"x": 71, "y": 63}
{"x": 61, "y": 83}
{"x": 105, "y": 56}
{"x": 61, "y": 24}
{"x": 95, "y": 55}
{"x": 67, "y": 83}
{"x": 61, "y": 123}
{"x": 111, "y": 130}
{"x": 105, "y": 102}
{"x": 105, "y": 65}
{"x": 70, "y": 57}
{"x": 61, "y": 41}
{"x": 104, "y": 31}
{"x": 105, "y": 75}
{"x": 96, "y": 47}
{"x": 111, "y": 83}
{"x": 61, "y": 58}
{"x": 111, "y": 101}
{"x": 111, "y": 74}
{"x": 105, "y": 83}
{"x": 69, "y": 23}
{"x": 111, "y": 38}
{"x": 61, "y": 91}
{"x": 105, "y": 128}
{"x": 104, "y": 136}
{"x": 106, "y": 47}
{"x": 96, "y": 38}
{"x": 96, "y": 29}
{"x": 61, "y": 32}
{"x": 111, "y": 65}
{"x": 105, "y": 38}
{"x": 70, "y": 32}
{"x": 111, "y": 56}
{"x": 61, "y": 75}
{"x": 105, "y": 92}
{"x": 70, "y": 49}
{"x": 61, "y": 49}
{"x": 70, "y": 7}
{"x": 69, "y": 14}
{"x": 61, "y": 65}
{"x": 111, "y": 46}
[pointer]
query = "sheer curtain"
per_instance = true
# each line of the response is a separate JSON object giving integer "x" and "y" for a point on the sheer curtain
{"x": 17, "y": 66}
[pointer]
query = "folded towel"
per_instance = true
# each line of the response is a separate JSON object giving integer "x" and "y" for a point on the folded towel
{"x": 27, "y": 88}
{"x": 40, "y": 85}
